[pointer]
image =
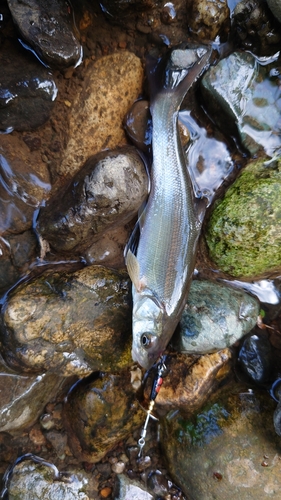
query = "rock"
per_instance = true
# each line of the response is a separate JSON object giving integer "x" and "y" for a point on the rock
{"x": 243, "y": 93}
{"x": 16, "y": 252}
{"x": 229, "y": 448}
{"x": 48, "y": 29}
{"x": 214, "y": 317}
{"x": 110, "y": 87}
{"x": 275, "y": 7}
{"x": 108, "y": 250}
{"x": 208, "y": 157}
{"x": 138, "y": 125}
{"x": 190, "y": 380}
{"x": 243, "y": 233}
{"x": 70, "y": 323}
{"x": 23, "y": 397}
{"x": 100, "y": 413}
{"x": 35, "y": 481}
{"x": 130, "y": 489}
{"x": 256, "y": 358}
{"x": 255, "y": 28}
{"x": 25, "y": 184}
{"x": 208, "y": 19}
{"x": 108, "y": 191}
{"x": 28, "y": 92}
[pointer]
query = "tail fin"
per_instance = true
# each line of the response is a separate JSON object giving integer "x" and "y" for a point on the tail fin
{"x": 184, "y": 66}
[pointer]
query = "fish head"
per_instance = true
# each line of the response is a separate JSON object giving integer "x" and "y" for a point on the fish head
{"x": 148, "y": 320}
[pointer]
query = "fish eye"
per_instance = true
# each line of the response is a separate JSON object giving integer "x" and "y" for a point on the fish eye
{"x": 146, "y": 340}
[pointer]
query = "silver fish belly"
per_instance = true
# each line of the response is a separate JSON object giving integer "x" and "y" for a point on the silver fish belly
{"x": 162, "y": 268}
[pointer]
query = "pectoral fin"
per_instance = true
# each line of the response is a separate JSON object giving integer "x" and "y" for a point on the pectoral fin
{"x": 133, "y": 268}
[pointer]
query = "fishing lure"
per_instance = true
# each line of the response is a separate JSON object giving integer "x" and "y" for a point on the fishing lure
{"x": 156, "y": 386}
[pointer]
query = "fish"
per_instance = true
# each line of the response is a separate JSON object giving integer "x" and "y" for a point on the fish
{"x": 160, "y": 261}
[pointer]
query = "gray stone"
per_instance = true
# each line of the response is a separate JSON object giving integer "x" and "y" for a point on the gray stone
{"x": 31, "y": 481}
{"x": 48, "y": 29}
{"x": 215, "y": 317}
{"x": 129, "y": 489}
{"x": 106, "y": 192}
{"x": 27, "y": 92}
{"x": 275, "y": 7}
{"x": 242, "y": 93}
{"x": 23, "y": 397}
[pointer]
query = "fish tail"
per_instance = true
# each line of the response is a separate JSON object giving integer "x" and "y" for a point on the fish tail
{"x": 185, "y": 65}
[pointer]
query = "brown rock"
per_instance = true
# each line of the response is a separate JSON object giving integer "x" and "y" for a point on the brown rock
{"x": 111, "y": 85}
{"x": 191, "y": 379}
{"x": 99, "y": 414}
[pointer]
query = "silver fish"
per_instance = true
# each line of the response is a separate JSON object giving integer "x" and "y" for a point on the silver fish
{"x": 162, "y": 266}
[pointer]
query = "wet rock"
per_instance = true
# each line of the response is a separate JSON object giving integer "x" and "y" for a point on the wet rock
{"x": 208, "y": 19}
{"x": 158, "y": 483}
{"x": 70, "y": 323}
{"x": 228, "y": 449}
{"x": 208, "y": 157}
{"x": 25, "y": 183}
{"x": 214, "y": 317}
{"x": 27, "y": 92}
{"x": 48, "y": 29}
{"x": 106, "y": 192}
{"x": 256, "y": 358}
{"x": 243, "y": 93}
{"x": 110, "y": 87}
{"x": 190, "y": 380}
{"x": 108, "y": 250}
{"x": 275, "y": 8}
{"x": 99, "y": 414}
{"x": 23, "y": 397}
{"x": 243, "y": 233}
{"x": 130, "y": 489}
{"x": 16, "y": 252}
{"x": 115, "y": 10}
{"x": 33, "y": 481}
{"x": 255, "y": 28}
{"x": 138, "y": 125}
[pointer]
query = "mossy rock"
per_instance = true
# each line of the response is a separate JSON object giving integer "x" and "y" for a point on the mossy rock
{"x": 244, "y": 231}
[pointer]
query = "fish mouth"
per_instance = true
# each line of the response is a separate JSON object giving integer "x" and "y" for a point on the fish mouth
{"x": 147, "y": 361}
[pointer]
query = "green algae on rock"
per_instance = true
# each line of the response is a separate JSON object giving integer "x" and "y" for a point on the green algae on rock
{"x": 100, "y": 413}
{"x": 215, "y": 317}
{"x": 244, "y": 231}
{"x": 229, "y": 449}
{"x": 70, "y": 323}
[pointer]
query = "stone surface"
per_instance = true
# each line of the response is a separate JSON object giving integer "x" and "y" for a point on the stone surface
{"x": 23, "y": 397}
{"x": 100, "y": 413}
{"x": 256, "y": 358}
{"x": 32, "y": 481}
{"x": 244, "y": 94}
{"x": 129, "y": 489}
{"x": 71, "y": 323}
{"x": 25, "y": 184}
{"x": 49, "y": 29}
{"x": 229, "y": 449}
{"x": 255, "y": 28}
{"x": 27, "y": 91}
{"x": 275, "y": 7}
{"x": 190, "y": 380}
{"x": 214, "y": 317}
{"x": 110, "y": 87}
{"x": 243, "y": 233}
{"x": 106, "y": 192}
{"x": 208, "y": 19}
